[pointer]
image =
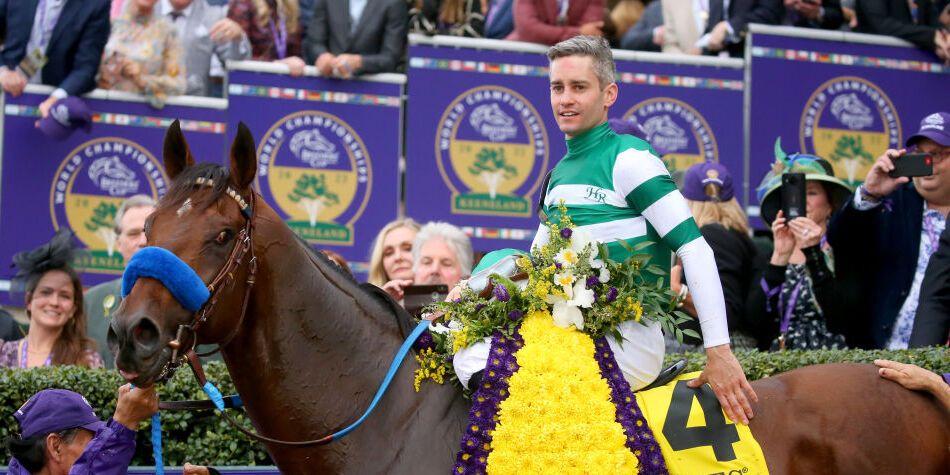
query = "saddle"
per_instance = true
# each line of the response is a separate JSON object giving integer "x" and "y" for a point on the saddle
{"x": 507, "y": 267}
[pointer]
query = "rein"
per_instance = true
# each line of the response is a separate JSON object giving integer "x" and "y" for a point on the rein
{"x": 225, "y": 278}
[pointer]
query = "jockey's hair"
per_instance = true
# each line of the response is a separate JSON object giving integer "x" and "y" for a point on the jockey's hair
{"x": 594, "y": 47}
{"x": 457, "y": 241}
{"x": 134, "y": 201}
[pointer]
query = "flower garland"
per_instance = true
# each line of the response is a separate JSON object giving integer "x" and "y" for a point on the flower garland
{"x": 572, "y": 279}
{"x": 558, "y": 385}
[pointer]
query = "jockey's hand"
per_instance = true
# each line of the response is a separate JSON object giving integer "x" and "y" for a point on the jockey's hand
{"x": 728, "y": 382}
{"x": 190, "y": 469}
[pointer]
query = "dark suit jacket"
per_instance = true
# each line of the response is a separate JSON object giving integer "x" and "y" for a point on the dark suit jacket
{"x": 893, "y": 18}
{"x": 775, "y": 13}
{"x": 875, "y": 260}
{"x": 379, "y": 36}
{"x": 932, "y": 322}
{"x": 741, "y": 13}
{"x": 75, "y": 48}
{"x": 640, "y": 36}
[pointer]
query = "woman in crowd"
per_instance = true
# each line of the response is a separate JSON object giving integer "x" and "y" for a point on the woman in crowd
{"x": 273, "y": 28}
{"x": 709, "y": 192}
{"x": 143, "y": 55}
{"x": 797, "y": 294}
{"x": 57, "y": 334}
{"x": 391, "y": 258}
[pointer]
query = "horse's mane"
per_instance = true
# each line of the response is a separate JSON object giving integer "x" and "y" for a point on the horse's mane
{"x": 316, "y": 254}
{"x": 184, "y": 184}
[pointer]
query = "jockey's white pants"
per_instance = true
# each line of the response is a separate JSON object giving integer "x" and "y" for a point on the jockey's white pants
{"x": 640, "y": 357}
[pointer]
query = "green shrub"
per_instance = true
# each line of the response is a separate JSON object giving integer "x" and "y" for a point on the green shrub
{"x": 204, "y": 438}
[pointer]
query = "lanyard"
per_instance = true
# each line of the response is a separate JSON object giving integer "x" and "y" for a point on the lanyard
{"x": 23, "y": 355}
{"x": 280, "y": 37}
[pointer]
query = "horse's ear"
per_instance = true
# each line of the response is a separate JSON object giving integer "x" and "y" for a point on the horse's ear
{"x": 243, "y": 157}
{"x": 175, "y": 154}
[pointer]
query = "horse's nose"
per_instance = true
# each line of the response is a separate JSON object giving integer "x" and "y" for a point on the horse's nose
{"x": 144, "y": 337}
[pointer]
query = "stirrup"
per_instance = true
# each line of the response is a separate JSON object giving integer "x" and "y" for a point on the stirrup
{"x": 668, "y": 374}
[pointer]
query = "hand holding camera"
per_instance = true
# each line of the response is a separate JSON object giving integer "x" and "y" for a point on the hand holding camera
{"x": 895, "y": 168}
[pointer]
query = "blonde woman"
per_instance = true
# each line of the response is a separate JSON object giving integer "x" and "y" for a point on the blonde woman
{"x": 391, "y": 258}
{"x": 709, "y": 193}
{"x": 273, "y": 28}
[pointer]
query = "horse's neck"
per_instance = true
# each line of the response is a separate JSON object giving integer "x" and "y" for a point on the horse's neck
{"x": 311, "y": 354}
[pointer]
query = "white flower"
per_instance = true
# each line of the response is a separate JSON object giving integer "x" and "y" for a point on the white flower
{"x": 565, "y": 280}
{"x": 604, "y": 275}
{"x": 439, "y": 328}
{"x": 567, "y": 312}
{"x": 566, "y": 257}
{"x": 580, "y": 240}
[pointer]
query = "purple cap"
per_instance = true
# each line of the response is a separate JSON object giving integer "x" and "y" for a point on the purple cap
{"x": 935, "y": 127}
{"x": 66, "y": 115}
{"x": 628, "y": 126}
{"x": 708, "y": 181}
{"x": 54, "y": 410}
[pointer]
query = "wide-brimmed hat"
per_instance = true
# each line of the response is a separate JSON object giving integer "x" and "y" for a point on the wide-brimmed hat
{"x": 814, "y": 167}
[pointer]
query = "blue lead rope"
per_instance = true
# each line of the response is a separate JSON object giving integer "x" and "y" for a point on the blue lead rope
{"x": 157, "y": 444}
{"x": 215, "y": 395}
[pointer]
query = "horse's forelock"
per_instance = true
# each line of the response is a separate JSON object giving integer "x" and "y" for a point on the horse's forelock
{"x": 184, "y": 186}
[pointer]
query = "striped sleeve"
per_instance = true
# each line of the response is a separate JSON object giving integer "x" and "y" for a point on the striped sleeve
{"x": 644, "y": 180}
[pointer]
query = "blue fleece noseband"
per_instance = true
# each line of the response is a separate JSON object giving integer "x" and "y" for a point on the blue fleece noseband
{"x": 177, "y": 276}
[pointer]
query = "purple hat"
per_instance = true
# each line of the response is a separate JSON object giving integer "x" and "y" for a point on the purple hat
{"x": 54, "y": 410}
{"x": 628, "y": 126}
{"x": 935, "y": 127}
{"x": 708, "y": 181}
{"x": 66, "y": 115}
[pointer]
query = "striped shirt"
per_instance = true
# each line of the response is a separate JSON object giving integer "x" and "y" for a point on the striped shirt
{"x": 617, "y": 189}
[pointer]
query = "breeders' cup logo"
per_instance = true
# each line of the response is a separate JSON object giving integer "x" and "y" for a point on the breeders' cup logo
{"x": 492, "y": 151}
{"x": 677, "y": 131}
{"x": 315, "y": 168}
{"x": 849, "y": 121}
{"x": 90, "y": 185}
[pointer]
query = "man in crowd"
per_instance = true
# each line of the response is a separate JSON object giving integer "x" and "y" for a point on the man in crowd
{"x": 648, "y": 33}
{"x": 205, "y": 32}
{"x": 884, "y": 237}
{"x": 60, "y": 433}
{"x": 716, "y": 27}
{"x": 932, "y": 322}
{"x": 921, "y": 25}
{"x": 346, "y": 39}
{"x": 550, "y": 21}
{"x": 54, "y": 42}
{"x": 441, "y": 254}
{"x": 102, "y": 300}
{"x": 824, "y": 14}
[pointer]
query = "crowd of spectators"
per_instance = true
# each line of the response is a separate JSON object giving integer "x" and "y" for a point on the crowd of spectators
{"x": 162, "y": 48}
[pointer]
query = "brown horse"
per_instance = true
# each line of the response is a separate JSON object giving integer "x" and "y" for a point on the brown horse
{"x": 311, "y": 346}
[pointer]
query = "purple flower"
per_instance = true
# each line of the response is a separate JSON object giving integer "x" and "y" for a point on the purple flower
{"x": 592, "y": 282}
{"x": 424, "y": 342}
{"x": 515, "y": 315}
{"x": 457, "y": 300}
{"x": 566, "y": 233}
{"x": 557, "y": 265}
{"x": 612, "y": 294}
{"x": 501, "y": 293}
{"x": 479, "y": 307}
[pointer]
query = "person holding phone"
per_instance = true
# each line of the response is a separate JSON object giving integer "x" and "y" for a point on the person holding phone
{"x": 797, "y": 294}
{"x": 441, "y": 256}
{"x": 888, "y": 231}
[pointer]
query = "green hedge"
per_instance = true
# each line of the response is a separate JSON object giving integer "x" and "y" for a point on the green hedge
{"x": 201, "y": 437}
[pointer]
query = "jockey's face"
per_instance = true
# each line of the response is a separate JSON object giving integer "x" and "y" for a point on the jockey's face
{"x": 578, "y": 101}
{"x": 438, "y": 264}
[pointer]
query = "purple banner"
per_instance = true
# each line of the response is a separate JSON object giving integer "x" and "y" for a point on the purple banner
{"x": 481, "y": 134}
{"x": 78, "y": 183}
{"x": 328, "y": 154}
{"x": 846, "y": 102}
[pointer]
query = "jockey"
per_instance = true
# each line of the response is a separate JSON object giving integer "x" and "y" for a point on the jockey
{"x": 617, "y": 189}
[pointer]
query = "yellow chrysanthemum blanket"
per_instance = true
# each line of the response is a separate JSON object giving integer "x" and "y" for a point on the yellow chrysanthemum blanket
{"x": 544, "y": 378}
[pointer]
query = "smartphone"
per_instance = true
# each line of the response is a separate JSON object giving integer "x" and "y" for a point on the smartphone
{"x": 793, "y": 195}
{"x": 416, "y": 297}
{"x": 913, "y": 164}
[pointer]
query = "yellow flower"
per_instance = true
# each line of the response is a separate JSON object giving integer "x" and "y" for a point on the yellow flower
{"x": 558, "y": 417}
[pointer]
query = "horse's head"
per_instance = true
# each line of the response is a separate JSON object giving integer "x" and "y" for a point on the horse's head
{"x": 201, "y": 221}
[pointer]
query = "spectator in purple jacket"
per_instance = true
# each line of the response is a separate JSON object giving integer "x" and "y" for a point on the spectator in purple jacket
{"x": 60, "y": 433}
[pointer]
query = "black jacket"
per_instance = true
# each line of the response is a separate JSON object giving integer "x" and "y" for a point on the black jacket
{"x": 379, "y": 36}
{"x": 893, "y": 18}
{"x": 75, "y": 47}
{"x": 773, "y": 12}
{"x": 875, "y": 258}
{"x": 932, "y": 322}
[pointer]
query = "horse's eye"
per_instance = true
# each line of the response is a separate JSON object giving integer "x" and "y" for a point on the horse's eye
{"x": 223, "y": 237}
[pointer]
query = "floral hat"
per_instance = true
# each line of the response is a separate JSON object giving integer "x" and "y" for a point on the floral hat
{"x": 814, "y": 167}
